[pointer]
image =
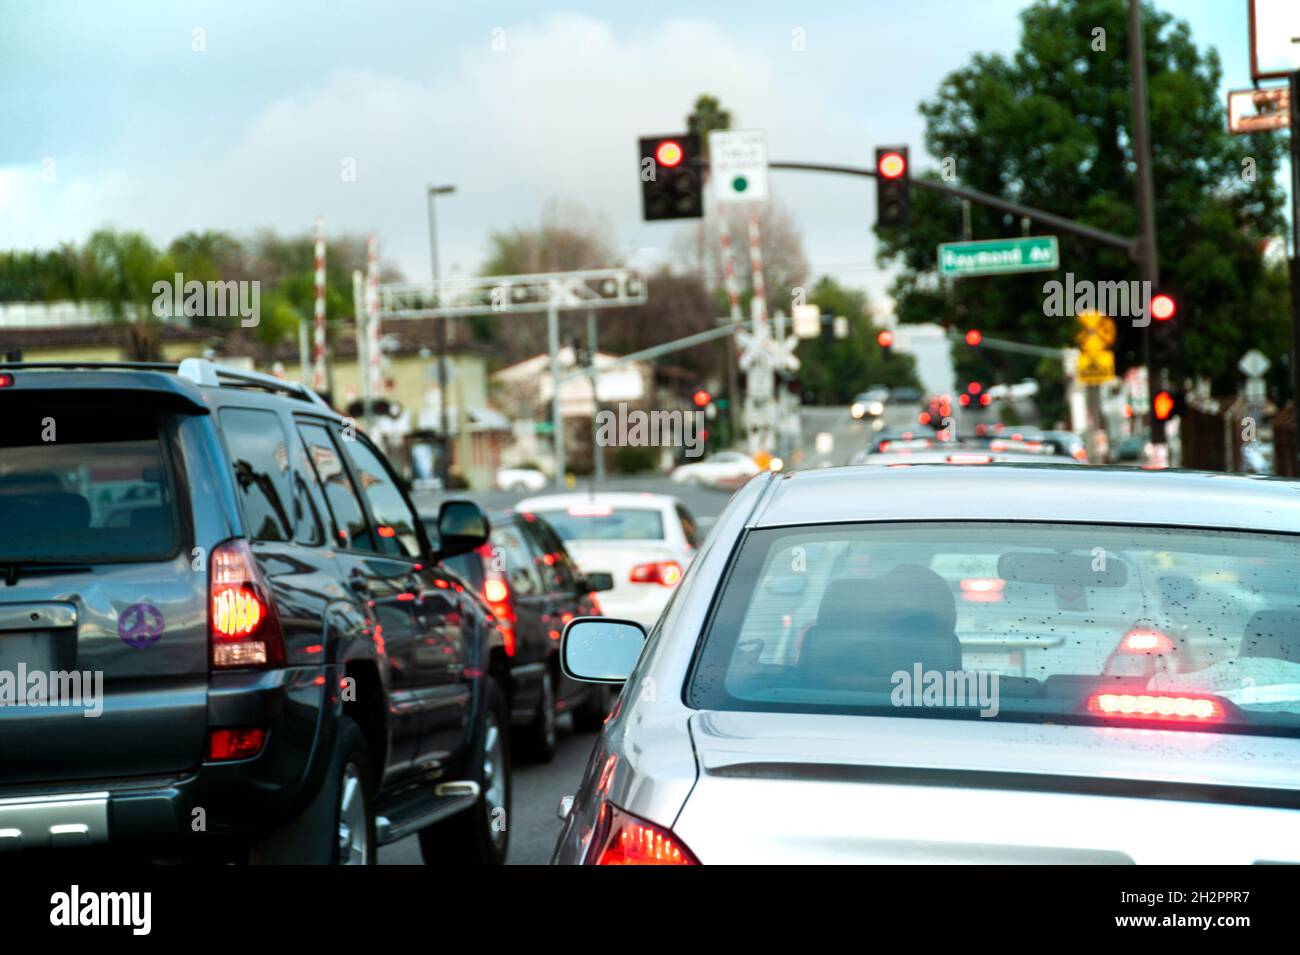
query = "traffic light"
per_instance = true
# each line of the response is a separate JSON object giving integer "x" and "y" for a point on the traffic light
{"x": 701, "y": 398}
{"x": 1166, "y": 332}
{"x": 974, "y": 337}
{"x": 671, "y": 180}
{"x": 885, "y": 339}
{"x": 1166, "y": 404}
{"x": 893, "y": 188}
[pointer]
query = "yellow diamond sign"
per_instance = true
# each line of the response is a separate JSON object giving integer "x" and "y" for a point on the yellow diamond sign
{"x": 1096, "y": 367}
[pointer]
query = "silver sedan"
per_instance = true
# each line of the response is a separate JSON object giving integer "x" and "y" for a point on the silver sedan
{"x": 995, "y": 664}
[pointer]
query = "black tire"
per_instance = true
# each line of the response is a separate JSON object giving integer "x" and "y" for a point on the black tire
{"x": 316, "y": 835}
{"x": 536, "y": 740}
{"x": 590, "y": 716}
{"x": 479, "y": 835}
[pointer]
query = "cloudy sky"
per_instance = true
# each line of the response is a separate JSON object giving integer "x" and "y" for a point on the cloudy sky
{"x": 111, "y": 116}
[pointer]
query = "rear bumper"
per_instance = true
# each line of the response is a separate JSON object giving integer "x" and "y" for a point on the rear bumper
{"x": 209, "y": 801}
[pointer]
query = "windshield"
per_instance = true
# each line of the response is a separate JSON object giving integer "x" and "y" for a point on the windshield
{"x": 603, "y": 523}
{"x": 83, "y": 484}
{"x": 1038, "y": 622}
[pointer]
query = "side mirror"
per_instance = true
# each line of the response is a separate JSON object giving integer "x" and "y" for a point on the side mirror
{"x": 600, "y": 650}
{"x": 462, "y": 526}
{"x": 599, "y": 581}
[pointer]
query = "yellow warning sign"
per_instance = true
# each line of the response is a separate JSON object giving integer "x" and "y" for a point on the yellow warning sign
{"x": 1096, "y": 367}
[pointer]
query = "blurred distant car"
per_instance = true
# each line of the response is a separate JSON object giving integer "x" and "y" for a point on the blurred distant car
{"x": 870, "y": 403}
{"x": 904, "y": 396}
{"x": 520, "y": 479}
{"x": 721, "y": 468}
{"x": 646, "y": 541}
{"x": 533, "y": 588}
{"x": 1067, "y": 443}
{"x": 1130, "y": 449}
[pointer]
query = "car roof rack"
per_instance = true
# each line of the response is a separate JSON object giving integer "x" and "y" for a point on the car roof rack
{"x": 201, "y": 371}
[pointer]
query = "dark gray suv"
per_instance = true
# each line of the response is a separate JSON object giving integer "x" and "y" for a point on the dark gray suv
{"x": 223, "y": 632}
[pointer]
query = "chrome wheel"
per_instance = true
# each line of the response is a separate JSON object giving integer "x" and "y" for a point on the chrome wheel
{"x": 494, "y": 778}
{"x": 353, "y": 835}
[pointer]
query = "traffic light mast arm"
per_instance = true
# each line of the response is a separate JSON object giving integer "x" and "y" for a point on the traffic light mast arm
{"x": 1002, "y": 344}
{"x": 993, "y": 202}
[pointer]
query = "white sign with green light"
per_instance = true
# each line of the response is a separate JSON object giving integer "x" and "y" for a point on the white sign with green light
{"x": 738, "y": 165}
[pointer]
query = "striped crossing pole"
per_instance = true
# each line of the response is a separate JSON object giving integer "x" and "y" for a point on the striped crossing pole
{"x": 318, "y": 379}
{"x": 729, "y": 270}
{"x": 756, "y": 274}
{"x": 375, "y": 371}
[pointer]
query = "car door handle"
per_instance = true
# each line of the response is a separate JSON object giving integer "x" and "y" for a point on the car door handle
{"x": 359, "y": 585}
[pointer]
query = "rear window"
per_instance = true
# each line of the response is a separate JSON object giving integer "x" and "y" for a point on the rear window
{"x": 601, "y": 522}
{"x": 1140, "y": 626}
{"x": 86, "y": 485}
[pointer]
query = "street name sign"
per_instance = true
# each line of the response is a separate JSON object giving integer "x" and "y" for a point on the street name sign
{"x": 1035, "y": 253}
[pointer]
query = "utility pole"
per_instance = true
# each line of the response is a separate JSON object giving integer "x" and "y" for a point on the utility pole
{"x": 444, "y": 443}
{"x": 597, "y": 452}
{"x": 1148, "y": 263}
{"x": 1295, "y": 259}
{"x": 363, "y": 345}
{"x": 553, "y": 346}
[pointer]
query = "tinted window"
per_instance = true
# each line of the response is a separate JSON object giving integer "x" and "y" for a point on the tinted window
{"x": 552, "y": 560}
{"x": 515, "y": 559}
{"x": 1021, "y": 622}
{"x": 350, "y": 529}
{"x": 689, "y": 527}
{"x": 259, "y": 453}
{"x": 86, "y": 484}
{"x": 604, "y": 523}
{"x": 394, "y": 521}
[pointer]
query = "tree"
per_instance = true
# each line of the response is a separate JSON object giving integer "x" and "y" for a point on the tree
{"x": 707, "y": 116}
{"x": 1050, "y": 127}
{"x": 835, "y": 371}
{"x": 121, "y": 269}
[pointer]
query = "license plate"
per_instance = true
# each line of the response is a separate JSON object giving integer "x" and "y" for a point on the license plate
{"x": 35, "y": 651}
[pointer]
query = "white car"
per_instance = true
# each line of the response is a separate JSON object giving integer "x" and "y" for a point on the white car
{"x": 520, "y": 479}
{"x": 646, "y": 541}
{"x": 725, "y": 467}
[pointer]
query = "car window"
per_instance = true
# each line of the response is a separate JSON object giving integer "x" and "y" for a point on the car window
{"x": 513, "y": 550}
{"x": 350, "y": 529}
{"x": 264, "y": 476}
{"x": 395, "y": 522}
{"x": 601, "y": 522}
{"x": 551, "y": 560}
{"x": 70, "y": 493}
{"x": 689, "y": 527}
{"x": 840, "y": 618}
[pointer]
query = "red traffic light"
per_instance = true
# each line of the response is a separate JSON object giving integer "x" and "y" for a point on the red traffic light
{"x": 1163, "y": 405}
{"x": 701, "y": 398}
{"x": 1163, "y": 307}
{"x": 669, "y": 153}
{"x": 974, "y": 387}
{"x": 974, "y": 337}
{"x": 891, "y": 165}
{"x": 885, "y": 338}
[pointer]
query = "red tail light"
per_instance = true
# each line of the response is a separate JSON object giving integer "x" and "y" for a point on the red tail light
{"x": 663, "y": 572}
{"x": 235, "y": 744}
{"x": 497, "y": 594}
{"x": 244, "y": 629}
{"x": 6, "y": 379}
{"x": 624, "y": 839}
{"x": 969, "y": 459}
{"x": 1158, "y": 707}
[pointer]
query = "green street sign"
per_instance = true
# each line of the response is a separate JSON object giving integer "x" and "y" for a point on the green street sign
{"x": 1034, "y": 253}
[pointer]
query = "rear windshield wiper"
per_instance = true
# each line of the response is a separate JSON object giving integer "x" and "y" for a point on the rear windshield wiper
{"x": 9, "y": 569}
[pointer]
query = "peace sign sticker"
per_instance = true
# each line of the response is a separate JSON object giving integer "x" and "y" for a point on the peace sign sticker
{"x": 140, "y": 625}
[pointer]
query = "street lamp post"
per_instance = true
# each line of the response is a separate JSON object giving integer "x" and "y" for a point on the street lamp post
{"x": 443, "y": 443}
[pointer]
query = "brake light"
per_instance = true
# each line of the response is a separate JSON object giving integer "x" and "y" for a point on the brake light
{"x": 243, "y": 628}
{"x": 969, "y": 459}
{"x": 982, "y": 589}
{"x": 497, "y": 594}
{"x": 235, "y": 744}
{"x": 1081, "y": 454}
{"x": 1158, "y": 707}
{"x": 6, "y": 379}
{"x": 625, "y": 839}
{"x": 1146, "y": 641}
{"x": 590, "y": 510}
{"x": 663, "y": 572}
